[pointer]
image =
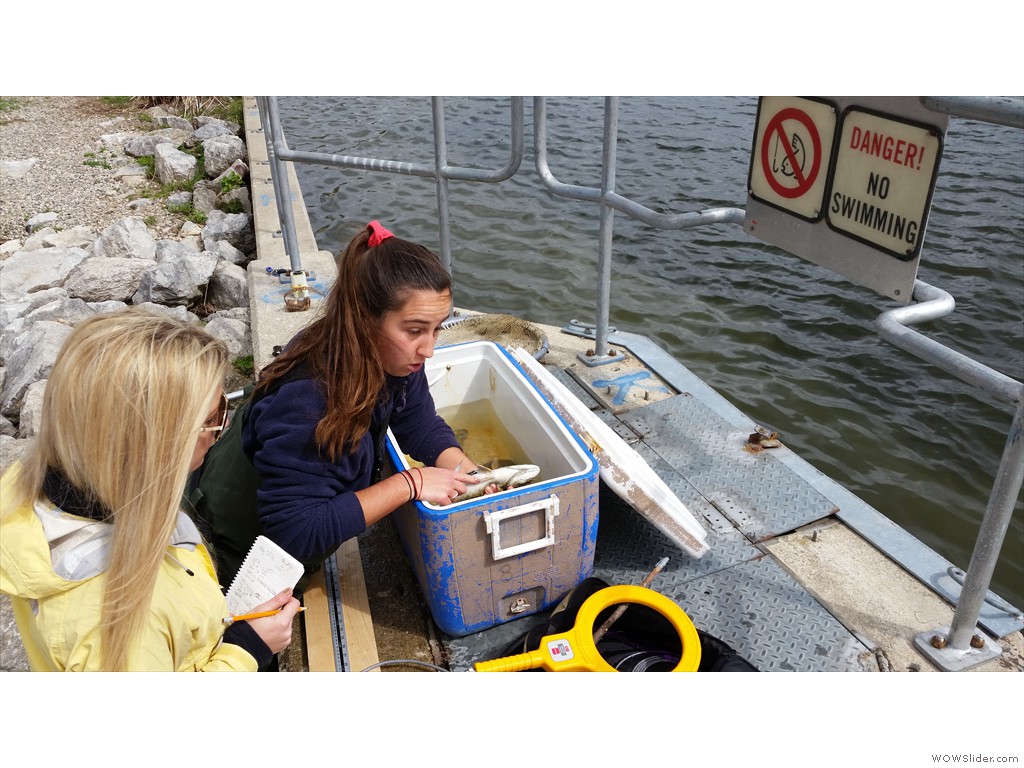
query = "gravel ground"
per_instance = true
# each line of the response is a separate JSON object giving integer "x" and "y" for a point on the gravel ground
{"x": 63, "y": 133}
{"x": 60, "y": 132}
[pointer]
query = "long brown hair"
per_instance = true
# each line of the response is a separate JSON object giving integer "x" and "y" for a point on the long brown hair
{"x": 340, "y": 347}
{"x": 121, "y": 415}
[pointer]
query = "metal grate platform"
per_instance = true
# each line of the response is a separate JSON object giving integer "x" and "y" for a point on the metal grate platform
{"x": 735, "y": 592}
{"x": 761, "y": 496}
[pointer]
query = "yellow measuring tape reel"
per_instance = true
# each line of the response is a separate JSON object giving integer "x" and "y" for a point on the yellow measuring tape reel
{"x": 575, "y": 650}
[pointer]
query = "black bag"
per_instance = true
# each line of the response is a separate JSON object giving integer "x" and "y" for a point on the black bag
{"x": 640, "y": 640}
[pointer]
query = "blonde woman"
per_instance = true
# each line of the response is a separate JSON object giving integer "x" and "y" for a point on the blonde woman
{"x": 104, "y": 570}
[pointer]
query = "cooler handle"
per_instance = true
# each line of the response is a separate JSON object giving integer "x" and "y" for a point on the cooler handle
{"x": 493, "y": 522}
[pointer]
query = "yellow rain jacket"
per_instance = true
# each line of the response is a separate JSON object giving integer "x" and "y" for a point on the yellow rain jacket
{"x": 53, "y": 564}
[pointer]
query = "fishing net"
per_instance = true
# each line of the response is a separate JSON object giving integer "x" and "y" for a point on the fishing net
{"x": 506, "y": 330}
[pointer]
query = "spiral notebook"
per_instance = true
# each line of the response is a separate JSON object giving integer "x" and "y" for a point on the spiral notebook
{"x": 266, "y": 570}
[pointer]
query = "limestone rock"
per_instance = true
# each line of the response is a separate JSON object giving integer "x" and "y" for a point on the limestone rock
{"x": 220, "y": 152}
{"x": 236, "y": 228}
{"x": 172, "y": 166}
{"x": 31, "y": 271}
{"x": 9, "y": 248}
{"x": 229, "y": 286}
{"x": 76, "y": 237}
{"x": 11, "y": 449}
{"x": 227, "y": 252}
{"x": 177, "y": 281}
{"x": 40, "y": 220}
{"x": 107, "y": 278}
{"x": 31, "y": 360}
{"x": 178, "y": 313}
{"x": 239, "y": 196}
{"x": 37, "y": 240}
{"x": 172, "y": 250}
{"x": 238, "y": 168}
{"x": 234, "y": 333}
{"x": 17, "y": 169}
{"x": 31, "y": 414}
{"x": 204, "y": 197}
{"x": 127, "y": 238}
{"x": 145, "y": 144}
{"x": 211, "y": 127}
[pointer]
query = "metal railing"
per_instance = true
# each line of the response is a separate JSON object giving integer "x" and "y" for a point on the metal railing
{"x": 440, "y": 171}
{"x": 955, "y": 647}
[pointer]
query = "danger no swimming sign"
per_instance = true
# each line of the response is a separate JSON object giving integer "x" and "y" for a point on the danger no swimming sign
{"x": 883, "y": 180}
{"x": 846, "y": 182}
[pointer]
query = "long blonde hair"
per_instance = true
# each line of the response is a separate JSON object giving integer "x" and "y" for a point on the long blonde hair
{"x": 121, "y": 415}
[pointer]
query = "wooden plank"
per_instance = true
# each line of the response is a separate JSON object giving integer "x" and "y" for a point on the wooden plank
{"x": 360, "y": 639}
{"x": 317, "y": 618}
{"x": 362, "y": 643}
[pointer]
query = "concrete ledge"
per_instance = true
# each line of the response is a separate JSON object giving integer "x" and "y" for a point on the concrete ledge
{"x": 272, "y": 324}
{"x": 873, "y": 597}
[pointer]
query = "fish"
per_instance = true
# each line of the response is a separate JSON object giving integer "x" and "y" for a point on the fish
{"x": 504, "y": 477}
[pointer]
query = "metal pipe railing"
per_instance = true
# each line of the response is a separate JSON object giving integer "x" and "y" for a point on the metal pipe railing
{"x": 892, "y": 325}
{"x": 274, "y": 138}
{"x": 605, "y": 230}
{"x": 932, "y": 303}
{"x": 440, "y": 171}
{"x": 1000, "y": 110}
{"x": 990, "y": 538}
{"x": 611, "y": 201}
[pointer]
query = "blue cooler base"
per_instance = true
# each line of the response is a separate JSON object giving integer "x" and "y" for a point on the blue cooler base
{"x": 499, "y": 557}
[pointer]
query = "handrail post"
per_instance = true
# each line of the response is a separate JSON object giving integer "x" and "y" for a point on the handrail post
{"x": 441, "y": 181}
{"x": 279, "y": 175}
{"x": 601, "y": 353}
{"x": 990, "y": 536}
{"x": 960, "y": 646}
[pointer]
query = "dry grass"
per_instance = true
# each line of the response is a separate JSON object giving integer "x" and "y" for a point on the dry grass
{"x": 187, "y": 106}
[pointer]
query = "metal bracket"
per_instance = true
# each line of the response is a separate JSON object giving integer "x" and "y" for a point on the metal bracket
{"x": 519, "y": 606}
{"x": 284, "y": 274}
{"x": 587, "y": 331}
{"x": 592, "y": 361}
{"x": 951, "y": 659}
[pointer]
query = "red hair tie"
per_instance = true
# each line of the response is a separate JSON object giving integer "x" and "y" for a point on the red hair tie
{"x": 377, "y": 234}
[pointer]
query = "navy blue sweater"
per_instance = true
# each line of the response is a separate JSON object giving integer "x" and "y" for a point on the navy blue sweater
{"x": 307, "y": 503}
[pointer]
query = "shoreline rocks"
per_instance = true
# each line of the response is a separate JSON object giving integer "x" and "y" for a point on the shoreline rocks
{"x": 64, "y": 268}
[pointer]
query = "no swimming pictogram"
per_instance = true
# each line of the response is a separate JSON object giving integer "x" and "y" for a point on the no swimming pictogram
{"x": 791, "y": 154}
{"x": 846, "y": 182}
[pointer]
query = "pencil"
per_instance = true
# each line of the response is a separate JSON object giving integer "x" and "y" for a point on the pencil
{"x": 257, "y": 615}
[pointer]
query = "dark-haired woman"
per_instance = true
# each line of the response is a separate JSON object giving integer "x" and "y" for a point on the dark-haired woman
{"x": 314, "y": 427}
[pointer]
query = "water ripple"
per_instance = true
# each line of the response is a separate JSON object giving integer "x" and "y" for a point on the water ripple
{"x": 788, "y": 342}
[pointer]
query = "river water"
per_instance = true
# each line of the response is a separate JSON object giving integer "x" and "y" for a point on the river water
{"x": 789, "y": 343}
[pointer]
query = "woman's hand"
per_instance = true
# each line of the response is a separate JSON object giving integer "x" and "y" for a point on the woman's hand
{"x": 276, "y": 630}
{"x": 439, "y": 486}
